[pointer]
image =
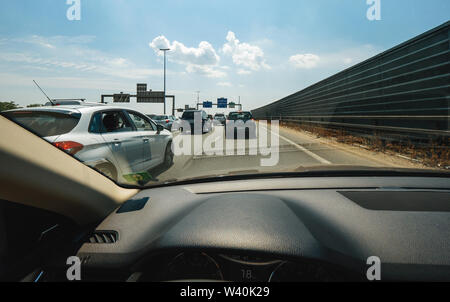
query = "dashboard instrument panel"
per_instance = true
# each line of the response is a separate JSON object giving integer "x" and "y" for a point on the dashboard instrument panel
{"x": 324, "y": 230}
{"x": 185, "y": 266}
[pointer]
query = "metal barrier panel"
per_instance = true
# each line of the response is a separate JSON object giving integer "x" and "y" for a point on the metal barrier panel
{"x": 404, "y": 90}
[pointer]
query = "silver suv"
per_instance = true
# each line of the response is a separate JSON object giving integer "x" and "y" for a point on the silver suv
{"x": 164, "y": 120}
{"x": 121, "y": 143}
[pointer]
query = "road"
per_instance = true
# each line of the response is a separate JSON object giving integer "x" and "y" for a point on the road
{"x": 295, "y": 150}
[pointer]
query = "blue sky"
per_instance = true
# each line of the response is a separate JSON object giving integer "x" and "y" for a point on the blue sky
{"x": 259, "y": 50}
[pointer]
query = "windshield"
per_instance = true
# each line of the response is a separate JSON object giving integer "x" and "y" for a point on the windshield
{"x": 151, "y": 96}
{"x": 240, "y": 116}
{"x": 45, "y": 123}
{"x": 160, "y": 117}
{"x": 189, "y": 114}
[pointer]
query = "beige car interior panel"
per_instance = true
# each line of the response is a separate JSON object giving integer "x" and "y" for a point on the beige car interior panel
{"x": 35, "y": 173}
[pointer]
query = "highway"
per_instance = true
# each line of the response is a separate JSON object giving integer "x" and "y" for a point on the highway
{"x": 295, "y": 150}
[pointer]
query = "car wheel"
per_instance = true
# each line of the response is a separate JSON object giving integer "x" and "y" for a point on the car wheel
{"x": 108, "y": 170}
{"x": 168, "y": 156}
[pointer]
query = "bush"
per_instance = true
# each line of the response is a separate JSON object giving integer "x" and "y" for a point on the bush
{"x": 8, "y": 106}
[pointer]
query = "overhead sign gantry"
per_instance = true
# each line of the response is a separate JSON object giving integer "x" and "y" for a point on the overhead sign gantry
{"x": 221, "y": 103}
{"x": 142, "y": 96}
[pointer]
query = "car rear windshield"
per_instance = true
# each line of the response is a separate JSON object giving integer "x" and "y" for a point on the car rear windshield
{"x": 160, "y": 117}
{"x": 45, "y": 123}
{"x": 240, "y": 116}
{"x": 189, "y": 115}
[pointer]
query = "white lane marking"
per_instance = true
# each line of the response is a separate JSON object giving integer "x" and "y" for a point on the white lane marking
{"x": 313, "y": 155}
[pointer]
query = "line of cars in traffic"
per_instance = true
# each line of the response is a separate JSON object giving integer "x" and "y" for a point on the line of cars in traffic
{"x": 208, "y": 121}
{"x": 167, "y": 121}
{"x": 123, "y": 144}
{"x": 199, "y": 122}
{"x": 164, "y": 120}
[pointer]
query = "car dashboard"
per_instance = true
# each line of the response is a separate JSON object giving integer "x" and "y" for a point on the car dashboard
{"x": 275, "y": 230}
{"x": 188, "y": 266}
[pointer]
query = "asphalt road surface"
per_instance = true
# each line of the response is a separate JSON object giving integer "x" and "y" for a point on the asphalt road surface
{"x": 294, "y": 149}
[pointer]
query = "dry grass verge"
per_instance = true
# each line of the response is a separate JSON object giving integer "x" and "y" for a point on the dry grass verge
{"x": 433, "y": 154}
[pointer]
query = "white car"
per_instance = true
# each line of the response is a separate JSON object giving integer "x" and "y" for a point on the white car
{"x": 121, "y": 143}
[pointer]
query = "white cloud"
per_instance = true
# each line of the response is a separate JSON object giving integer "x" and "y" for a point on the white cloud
{"x": 304, "y": 61}
{"x": 338, "y": 59}
{"x": 348, "y": 60}
{"x": 115, "y": 67}
{"x": 248, "y": 56}
{"x": 38, "y": 40}
{"x": 224, "y": 84}
{"x": 352, "y": 55}
{"x": 243, "y": 71}
{"x": 119, "y": 62}
{"x": 204, "y": 54}
{"x": 54, "y": 41}
{"x": 202, "y": 60}
{"x": 158, "y": 43}
{"x": 60, "y": 53}
{"x": 67, "y": 82}
{"x": 205, "y": 70}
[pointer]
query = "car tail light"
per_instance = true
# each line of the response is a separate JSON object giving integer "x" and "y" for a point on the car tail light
{"x": 167, "y": 121}
{"x": 69, "y": 146}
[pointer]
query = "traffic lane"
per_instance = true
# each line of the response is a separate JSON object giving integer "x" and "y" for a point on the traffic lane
{"x": 234, "y": 164}
{"x": 181, "y": 167}
{"x": 286, "y": 157}
{"x": 196, "y": 165}
{"x": 294, "y": 150}
{"x": 330, "y": 153}
{"x": 294, "y": 145}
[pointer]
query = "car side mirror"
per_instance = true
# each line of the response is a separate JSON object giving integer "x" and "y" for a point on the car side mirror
{"x": 159, "y": 128}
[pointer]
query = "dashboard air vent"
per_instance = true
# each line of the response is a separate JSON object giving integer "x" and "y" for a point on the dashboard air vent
{"x": 103, "y": 237}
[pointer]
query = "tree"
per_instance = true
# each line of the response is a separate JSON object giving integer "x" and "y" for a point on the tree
{"x": 8, "y": 106}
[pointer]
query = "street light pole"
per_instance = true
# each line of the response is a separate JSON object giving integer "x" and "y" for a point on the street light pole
{"x": 198, "y": 99}
{"x": 164, "y": 50}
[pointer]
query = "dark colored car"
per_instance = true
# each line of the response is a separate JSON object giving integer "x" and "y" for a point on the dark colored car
{"x": 188, "y": 117}
{"x": 240, "y": 122}
{"x": 164, "y": 120}
{"x": 221, "y": 118}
